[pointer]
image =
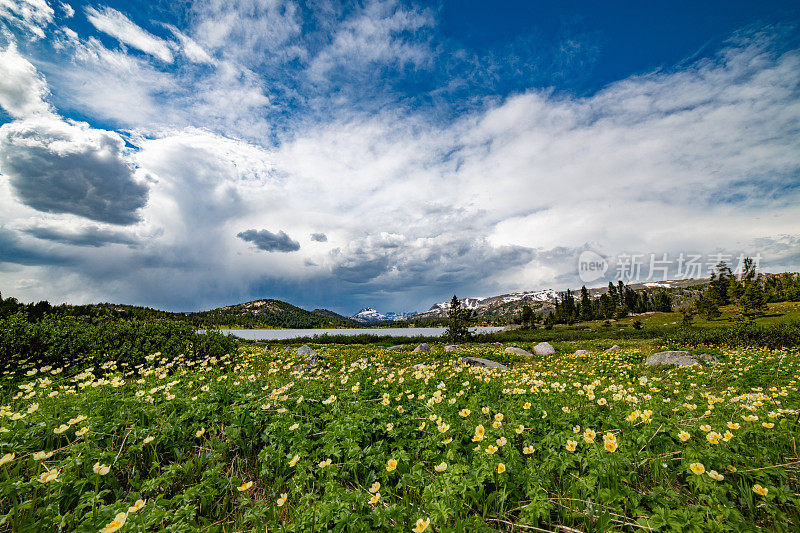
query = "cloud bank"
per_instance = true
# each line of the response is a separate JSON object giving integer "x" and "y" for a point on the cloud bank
{"x": 145, "y": 172}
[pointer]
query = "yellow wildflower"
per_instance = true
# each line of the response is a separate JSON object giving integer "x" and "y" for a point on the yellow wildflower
{"x": 375, "y": 487}
{"x": 115, "y": 524}
{"x": 282, "y": 499}
{"x": 589, "y": 435}
{"x": 684, "y": 436}
{"x": 697, "y": 468}
{"x": 101, "y": 469}
{"x": 199, "y": 433}
{"x": 391, "y": 465}
{"x": 501, "y": 467}
{"x": 610, "y": 442}
{"x": 375, "y": 498}
{"x": 7, "y": 458}
{"x": 137, "y": 506}
{"x": 758, "y": 489}
{"x": 421, "y": 526}
{"x": 294, "y": 460}
{"x": 47, "y": 477}
{"x": 441, "y": 467}
{"x": 244, "y": 486}
{"x": 571, "y": 445}
{"x": 490, "y": 449}
{"x": 716, "y": 476}
{"x": 527, "y": 450}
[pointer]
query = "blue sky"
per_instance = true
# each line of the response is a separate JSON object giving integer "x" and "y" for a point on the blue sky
{"x": 191, "y": 154}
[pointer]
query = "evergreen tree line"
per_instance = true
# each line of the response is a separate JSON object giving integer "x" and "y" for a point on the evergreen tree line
{"x": 750, "y": 291}
{"x": 619, "y": 301}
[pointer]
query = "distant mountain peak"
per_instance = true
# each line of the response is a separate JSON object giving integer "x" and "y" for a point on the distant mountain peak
{"x": 368, "y": 314}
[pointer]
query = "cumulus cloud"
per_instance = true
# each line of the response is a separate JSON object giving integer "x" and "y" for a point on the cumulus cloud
{"x": 31, "y": 16}
{"x": 319, "y": 237}
{"x": 117, "y": 25}
{"x": 268, "y": 241}
{"x": 22, "y": 89}
{"x": 59, "y": 166}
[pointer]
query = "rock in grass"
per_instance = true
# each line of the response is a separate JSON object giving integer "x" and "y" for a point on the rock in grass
{"x": 615, "y": 347}
{"x": 518, "y": 351}
{"x": 396, "y": 347}
{"x": 313, "y": 357}
{"x": 453, "y": 348}
{"x": 581, "y": 352}
{"x": 544, "y": 348}
{"x": 422, "y": 348}
{"x": 483, "y": 363}
{"x": 673, "y": 358}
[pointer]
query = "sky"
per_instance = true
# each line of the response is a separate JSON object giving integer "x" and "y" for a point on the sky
{"x": 186, "y": 155}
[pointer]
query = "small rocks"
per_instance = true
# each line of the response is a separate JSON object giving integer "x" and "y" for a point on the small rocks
{"x": 483, "y": 363}
{"x": 453, "y": 348}
{"x": 422, "y": 348}
{"x": 313, "y": 357}
{"x": 679, "y": 358}
{"x": 544, "y": 348}
{"x": 396, "y": 347}
{"x": 518, "y": 351}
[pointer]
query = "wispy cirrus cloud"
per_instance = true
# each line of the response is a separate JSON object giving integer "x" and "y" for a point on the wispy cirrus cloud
{"x": 117, "y": 25}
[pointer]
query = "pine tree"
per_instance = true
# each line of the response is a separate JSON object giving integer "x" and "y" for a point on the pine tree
{"x": 752, "y": 302}
{"x": 707, "y": 305}
{"x": 457, "y": 322}
{"x": 586, "y": 305}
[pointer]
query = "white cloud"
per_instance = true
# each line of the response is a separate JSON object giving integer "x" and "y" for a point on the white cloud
{"x": 68, "y": 10}
{"x": 249, "y": 32}
{"x": 696, "y": 159}
{"x": 193, "y": 51}
{"x": 22, "y": 89}
{"x": 29, "y": 15}
{"x": 58, "y": 166}
{"x": 374, "y": 35}
{"x": 117, "y": 25}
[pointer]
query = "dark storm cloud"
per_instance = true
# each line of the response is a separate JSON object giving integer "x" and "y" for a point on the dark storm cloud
{"x": 67, "y": 167}
{"x": 268, "y": 241}
{"x": 13, "y": 250}
{"x": 319, "y": 237}
{"x": 92, "y": 236}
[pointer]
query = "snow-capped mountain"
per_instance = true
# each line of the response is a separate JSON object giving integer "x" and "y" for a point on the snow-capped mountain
{"x": 369, "y": 314}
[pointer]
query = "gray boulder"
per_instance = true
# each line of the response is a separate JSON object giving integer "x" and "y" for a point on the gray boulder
{"x": 615, "y": 347}
{"x": 544, "y": 348}
{"x": 511, "y": 327}
{"x": 483, "y": 363}
{"x": 313, "y": 357}
{"x": 518, "y": 351}
{"x": 453, "y": 348}
{"x": 581, "y": 352}
{"x": 422, "y": 348}
{"x": 396, "y": 347}
{"x": 674, "y": 358}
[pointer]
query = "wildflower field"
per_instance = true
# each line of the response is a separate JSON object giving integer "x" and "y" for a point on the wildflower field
{"x": 375, "y": 439}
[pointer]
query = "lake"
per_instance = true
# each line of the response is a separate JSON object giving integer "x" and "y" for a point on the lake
{"x": 282, "y": 334}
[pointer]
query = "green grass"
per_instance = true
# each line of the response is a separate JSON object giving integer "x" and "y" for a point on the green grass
{"x": 188, "y": 438}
